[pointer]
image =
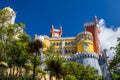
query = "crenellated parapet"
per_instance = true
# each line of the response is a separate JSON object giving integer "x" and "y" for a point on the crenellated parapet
{"x": 86, "y": 58}
{"x": 87, "y": 55}
{"x": 82, "y": 36}
{"x": 89, "y": 24}
{"x": 81, "y": 55}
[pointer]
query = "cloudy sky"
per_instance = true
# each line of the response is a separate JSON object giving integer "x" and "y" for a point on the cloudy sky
{"x": 108, "y": 37}
{"x": 39, "y": 15}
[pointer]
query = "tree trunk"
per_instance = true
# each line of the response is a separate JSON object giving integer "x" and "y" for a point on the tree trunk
{"x": 13, "y": 70}
{"x": 10, "y": 71}
{"x": 50, "y": 77}
{"x": 34, "y": 69}
{"x": 17, "y": 72}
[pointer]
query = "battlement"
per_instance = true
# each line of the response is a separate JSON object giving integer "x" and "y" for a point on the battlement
{"x": 81, "y": 55}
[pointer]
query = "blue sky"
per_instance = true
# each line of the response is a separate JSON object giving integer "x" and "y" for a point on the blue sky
{"x": 39, "y": 15}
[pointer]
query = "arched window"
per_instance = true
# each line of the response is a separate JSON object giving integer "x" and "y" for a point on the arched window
{"x": 68, "y": 43}
{"x": 66, "y": 51}
{"x": 57, "y": 43}
{"x": 72, "y": 51}
{"x": 65, "y": 43}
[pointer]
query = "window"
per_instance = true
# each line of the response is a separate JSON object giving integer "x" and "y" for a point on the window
{"x": 66, "y": 51}
{"x": 56, "y": 35}
{"x": 65, "y": 43}
{"x": 68, "y": 43}
{"x": 85, "y": 46}
{"x": 72, "y": 51}
{"x": 57, "y": 43}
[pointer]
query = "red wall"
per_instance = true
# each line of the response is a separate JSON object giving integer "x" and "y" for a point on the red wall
{"x": 96, "y": 41}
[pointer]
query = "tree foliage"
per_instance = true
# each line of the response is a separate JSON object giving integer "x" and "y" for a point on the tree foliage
{"x": 15, "y": 60}
{"x": 13, "y": 44}
{"x": 35, "y": 55}
{"x": 80, "y": 71}
{"x": 116, "y": 58}
{"x": 55, "y": 65}
{"x": 70, "y": 77}
{"x": 115, "y": 63}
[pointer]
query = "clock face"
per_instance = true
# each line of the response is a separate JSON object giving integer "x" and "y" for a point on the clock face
{"x": 85, "y": 46}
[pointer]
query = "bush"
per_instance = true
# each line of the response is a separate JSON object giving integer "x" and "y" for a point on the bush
{"x": 70, "y": 77}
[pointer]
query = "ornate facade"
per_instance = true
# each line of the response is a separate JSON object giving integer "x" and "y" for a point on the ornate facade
{"x": 84, "y": 48}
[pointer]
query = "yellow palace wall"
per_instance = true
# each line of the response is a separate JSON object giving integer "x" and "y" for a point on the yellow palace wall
{"x": 71, "y": 45}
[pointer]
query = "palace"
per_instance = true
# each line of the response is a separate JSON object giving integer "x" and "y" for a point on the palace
{"x": 84, "y": 48}
{"x": 87, "y": 41}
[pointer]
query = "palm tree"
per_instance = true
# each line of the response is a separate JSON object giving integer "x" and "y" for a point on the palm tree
{"x": 55, "y": 66}
{"x": 34, "y": 48}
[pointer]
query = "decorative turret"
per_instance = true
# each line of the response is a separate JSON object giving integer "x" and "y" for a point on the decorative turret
{"x": 55, "y": 33}
{"x": 61, "y": 30}
{"x": 85, "y": 42}
{"x": 10, "y": 14}
{"x": 93, "y": 27}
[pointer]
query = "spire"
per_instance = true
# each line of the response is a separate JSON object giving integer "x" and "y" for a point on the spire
{"x": 96, "y": 20}
{"x": 52, "y": 26}
{"x": 61, "y": 30}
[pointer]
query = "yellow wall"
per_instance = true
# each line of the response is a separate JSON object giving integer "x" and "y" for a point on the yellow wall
{"x": 80, "y": 47}
{"x": 46, "y": 44}
{"x": 77, "y": 48}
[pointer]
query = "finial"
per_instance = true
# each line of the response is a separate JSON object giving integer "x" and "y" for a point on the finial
{"x": 95, "y": 20}
{"x": 60, "y": 27}
{"x": 52, "y": 26}
{"x": 95, "y": 16}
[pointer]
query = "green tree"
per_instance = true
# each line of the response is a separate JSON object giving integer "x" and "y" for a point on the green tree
{"x": 115, "y": 63}
{"x": 80, "y": 72}
{"x": 13, "y": 44}
{"x": 34, "y": 48}
{"x": 70, "y": 77}
{"x": 17, "y": 55}
{"x": 28, "y": 67}
{"x": 54, "y": 64}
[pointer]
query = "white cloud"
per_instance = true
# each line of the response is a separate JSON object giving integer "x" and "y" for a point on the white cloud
{"x": 108, "y": 37}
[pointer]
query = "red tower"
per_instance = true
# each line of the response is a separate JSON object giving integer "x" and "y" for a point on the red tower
{"x": 94, "y": 28}
{"x": 55, "y": 33}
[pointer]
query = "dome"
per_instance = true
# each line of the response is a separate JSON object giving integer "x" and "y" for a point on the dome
{"x": 9, "y": 9}
{"x": 85, "y": 33}
{"x": 84, "y": 36}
